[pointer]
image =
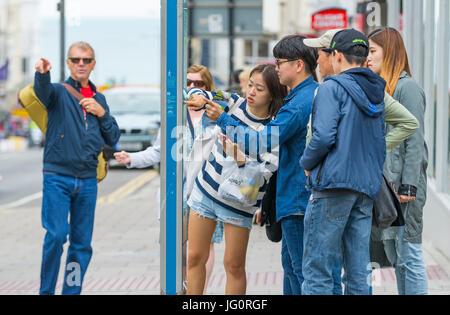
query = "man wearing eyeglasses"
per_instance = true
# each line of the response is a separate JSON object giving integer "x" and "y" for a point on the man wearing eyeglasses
{"x": 76, "y": 132}
{"x": 296, "y": 64}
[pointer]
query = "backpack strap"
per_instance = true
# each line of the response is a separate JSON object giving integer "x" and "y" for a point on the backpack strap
{"x": 72, "y": 91}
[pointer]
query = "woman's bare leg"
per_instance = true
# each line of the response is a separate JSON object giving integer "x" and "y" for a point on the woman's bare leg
{"x": 209, "y": 266}
{"x": 200, "y": 233}
{"x": 236, "y": 241}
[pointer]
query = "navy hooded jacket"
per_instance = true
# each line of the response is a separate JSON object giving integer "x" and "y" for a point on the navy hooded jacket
{"x": 72, "y": 145}
{"x": 347, "y": 148}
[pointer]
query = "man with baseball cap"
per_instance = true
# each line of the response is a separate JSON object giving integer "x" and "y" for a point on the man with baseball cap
{"x": 404, "y": 123}
{"x": 396, "y": 115}
{"x": 324, "y": 60}
{"x": 345, "y": 40}
{"x": 344, "y": 164}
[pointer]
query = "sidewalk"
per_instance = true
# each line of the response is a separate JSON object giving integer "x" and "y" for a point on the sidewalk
{"x": 126, "y": 254}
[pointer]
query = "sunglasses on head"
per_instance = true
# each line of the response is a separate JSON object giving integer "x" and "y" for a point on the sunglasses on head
{"x": 197, "y": 83}
{"x": 381, "y": 30}
{"x": 85, "y": 60}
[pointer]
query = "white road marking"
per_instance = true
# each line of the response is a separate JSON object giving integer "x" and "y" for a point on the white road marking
{"x": 122, "y": 192}
{"x": 22, "y": 201}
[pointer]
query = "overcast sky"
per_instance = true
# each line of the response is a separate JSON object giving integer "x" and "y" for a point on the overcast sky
{"x": 102, "y": 8}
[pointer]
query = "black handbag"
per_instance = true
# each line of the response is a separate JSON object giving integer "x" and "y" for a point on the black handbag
{"x": 268, "y": 211}
{"x": 387, "y": 209}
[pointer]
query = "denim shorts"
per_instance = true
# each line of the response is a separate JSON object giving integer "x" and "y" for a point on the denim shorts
{"x": 218, "y": 232}
{"x": 206, "y": 207}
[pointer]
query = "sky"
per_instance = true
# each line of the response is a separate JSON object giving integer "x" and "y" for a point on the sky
{"x": 78, "y": 11}
{"x": 102, "y": 8}
{"x": 124, "y": 34}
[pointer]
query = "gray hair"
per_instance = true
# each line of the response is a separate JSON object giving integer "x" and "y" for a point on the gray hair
{"x": 81, "y": 45}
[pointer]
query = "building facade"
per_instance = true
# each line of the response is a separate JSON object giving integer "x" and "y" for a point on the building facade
{"x": 19, "y": 44}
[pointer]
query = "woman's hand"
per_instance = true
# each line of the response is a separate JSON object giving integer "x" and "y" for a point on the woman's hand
{"x": 122, "y": 158}
{"x": 232, "y": 149}
{"x": 258, "y": 217}
{"x": 405, "y": 199}
{"x": 213, "y": 110}
{"x": 196, "y": 102}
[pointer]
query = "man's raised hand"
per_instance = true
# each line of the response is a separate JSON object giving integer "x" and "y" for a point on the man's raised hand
{"x": 43, "y": 66}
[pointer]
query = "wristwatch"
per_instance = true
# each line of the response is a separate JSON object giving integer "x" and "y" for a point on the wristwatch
{"x": 407, "y": 190}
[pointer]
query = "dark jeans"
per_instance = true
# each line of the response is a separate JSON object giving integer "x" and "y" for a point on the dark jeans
{"x": 63, "y": 195}
{"x": 292, "y": 256}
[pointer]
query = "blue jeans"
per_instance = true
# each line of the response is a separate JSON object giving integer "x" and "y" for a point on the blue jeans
{"x": 336, "y": 273}
{"x": 407, "y": 259}
{"x": 64, "y": 195}
{"x": 292, "y": 255}
{"x": 335, "y": 226}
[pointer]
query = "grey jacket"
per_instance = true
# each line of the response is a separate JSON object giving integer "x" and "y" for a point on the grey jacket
{"x": 407, "y": 165}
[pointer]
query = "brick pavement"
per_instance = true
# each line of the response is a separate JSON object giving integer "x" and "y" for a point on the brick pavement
{"x": 126, "y": 254}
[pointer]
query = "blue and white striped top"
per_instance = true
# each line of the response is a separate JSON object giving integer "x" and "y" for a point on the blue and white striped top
{"x": 219, "y": 166}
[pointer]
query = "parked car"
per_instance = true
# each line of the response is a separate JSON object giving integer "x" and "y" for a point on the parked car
{"x": 138, "y": 114}
{"x": 35, "y": 137}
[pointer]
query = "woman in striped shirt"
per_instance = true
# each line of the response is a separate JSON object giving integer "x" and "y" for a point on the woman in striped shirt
{"x": 263, "y": 100}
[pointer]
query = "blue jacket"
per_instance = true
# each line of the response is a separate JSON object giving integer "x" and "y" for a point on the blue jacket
{"x": 347, "y": 148}
{"x": 289, "y": 129}
{"x": 72, "y": 145}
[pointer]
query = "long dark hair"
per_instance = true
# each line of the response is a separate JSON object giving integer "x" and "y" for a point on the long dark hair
{"x": 277, "y": 91}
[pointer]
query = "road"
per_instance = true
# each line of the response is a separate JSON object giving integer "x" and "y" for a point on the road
{"x": 21, "y": 183}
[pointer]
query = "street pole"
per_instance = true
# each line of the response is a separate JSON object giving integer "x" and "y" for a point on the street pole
{"x": 190, "y": 33}
{"x": 62, "y": 39}
{"x": 172, "y": 83}
{"x": 231, "y": 34}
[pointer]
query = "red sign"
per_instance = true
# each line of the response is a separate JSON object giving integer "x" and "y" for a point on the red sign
{"x": 329, "y": 19}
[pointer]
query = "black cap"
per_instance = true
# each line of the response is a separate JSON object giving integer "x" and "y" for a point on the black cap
{"x": 345, "y": 40}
